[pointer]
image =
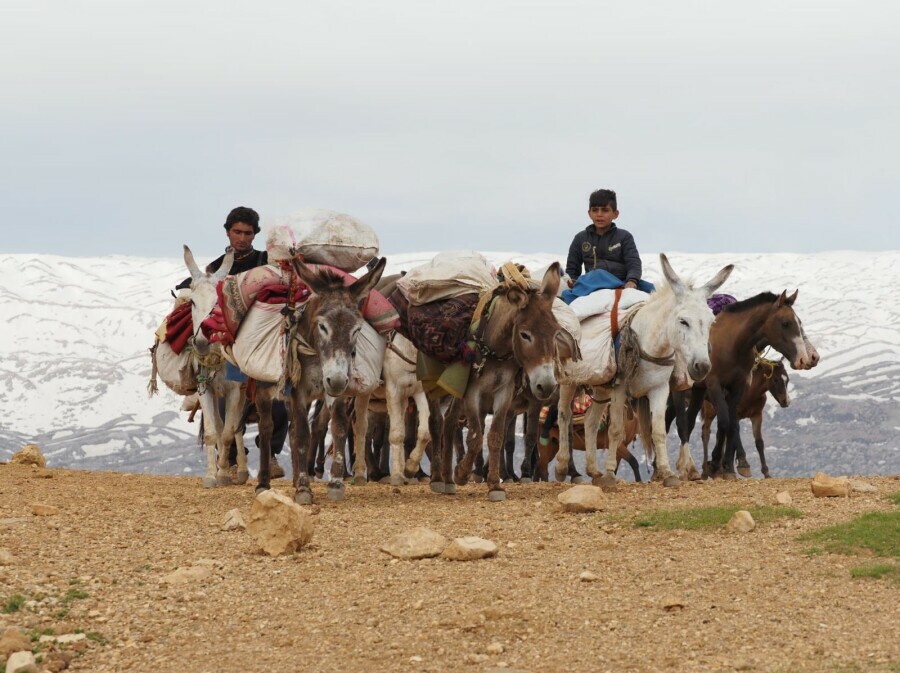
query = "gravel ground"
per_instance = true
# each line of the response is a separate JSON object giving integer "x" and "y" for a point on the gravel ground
{"x": 673, "y": 600}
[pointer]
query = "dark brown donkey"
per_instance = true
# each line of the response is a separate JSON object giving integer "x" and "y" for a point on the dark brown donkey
{"x": 769, "y": 376}
{"x": 737, "y": 333}
{"x": 520, "y": 345}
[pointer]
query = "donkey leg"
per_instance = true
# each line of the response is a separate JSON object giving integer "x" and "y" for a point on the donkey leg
{"x": 360, "y": 430}
{"x": 422, "y": 436}
{"x": 591, "y": 427}
{"x": 449, "y": 431}
{"x": 616, "y": 436}
{"x": 657, "y": 403}
{"x": 566, "y": 394}
{"x": 212, "y": 433}
{"x": 298, "y": 432}
{"x": 264, "y": 395}
{"x": 396, "y": 406}
{"x": 496, "y": 439}
{"x": 743, "y": 467}
{"x": 339, "y": 430}
{"x": 756, "y": 422}
{"x": 474, "y": 441}
{"x": 232, "y": 432}
{"x": 436, "y": 430}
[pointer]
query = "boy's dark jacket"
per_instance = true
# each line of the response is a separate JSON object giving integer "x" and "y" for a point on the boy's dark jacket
{"x": 614, "y": 251}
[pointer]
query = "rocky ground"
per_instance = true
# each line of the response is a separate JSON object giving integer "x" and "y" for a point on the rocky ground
{"x": 653, "y": 600}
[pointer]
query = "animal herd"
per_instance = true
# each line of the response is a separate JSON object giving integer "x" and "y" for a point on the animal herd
{"x": 675, "y": 360}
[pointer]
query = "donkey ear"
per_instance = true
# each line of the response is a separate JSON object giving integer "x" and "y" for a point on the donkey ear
{"x": 191, "y": 264}
{"x": 790, "y": 300}
{"x": 361, "y": 288}
{"x": 225, "y": 268}
{"x": 670, "y": 275}
{"x": 550, "y": 286}
{"x": 718, "y": 280}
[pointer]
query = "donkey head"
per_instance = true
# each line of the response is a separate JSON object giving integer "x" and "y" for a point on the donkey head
{"x": 536, "y": 333}
{"x": 335, "y": 320}
{"x": 778, "y": 385}
{"x": 691, "y": 318}
{"x": 784, "y": 332}
{"x": 203, "y": 294}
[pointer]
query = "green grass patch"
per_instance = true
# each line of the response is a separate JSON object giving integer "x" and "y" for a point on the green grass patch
{"x": 894, "y": 498}
{"x": 876, "y": 533}
{"x": 74, "y": 595}
{"x": 13, "y": 604}
{"x": 706, "y": 518}
{"x": 875, "y": 570}
{"x": 96, "y": 637}
{"x": 36, "y": 634}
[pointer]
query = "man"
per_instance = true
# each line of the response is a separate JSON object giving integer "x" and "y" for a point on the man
{"x": 241, "y": 226}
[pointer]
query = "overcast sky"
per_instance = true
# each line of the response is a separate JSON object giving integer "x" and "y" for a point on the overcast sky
{"x": 135, "y": 126}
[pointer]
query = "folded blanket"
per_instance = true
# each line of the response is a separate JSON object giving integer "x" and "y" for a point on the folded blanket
{"x": 179, "y": 327}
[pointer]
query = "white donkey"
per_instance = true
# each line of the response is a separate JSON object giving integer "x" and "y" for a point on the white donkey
{"x": 201, "y": 367}
{"x": 400, "y": 384}
{"x": 672, "y": 325}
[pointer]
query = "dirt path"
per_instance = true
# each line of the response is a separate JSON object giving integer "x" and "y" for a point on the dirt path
{"x": 752, "y": 602}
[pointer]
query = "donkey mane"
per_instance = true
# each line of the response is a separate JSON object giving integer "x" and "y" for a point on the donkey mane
{"x": 752, "y": 302}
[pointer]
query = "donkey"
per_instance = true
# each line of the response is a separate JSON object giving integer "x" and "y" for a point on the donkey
{"x": 322, "y": 346}
{"x": 521, "y": 344}
{"x": 737, "y": 333}
{"x": 207, "y": 376}
{"x": 769, "y": 376}
{"x": 674, "y": 323}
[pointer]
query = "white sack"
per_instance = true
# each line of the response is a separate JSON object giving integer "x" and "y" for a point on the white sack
{"x": 449, "y": 274}
{"x": 323, "y": 237}
{"x": 567, "y": 319}
{"x": 259, "y": 348}
{"x": 598, "y": 363}
{"x": 176, "y": 371}
{"x": 601, "y": 301}
{"x": 370, "y": 347}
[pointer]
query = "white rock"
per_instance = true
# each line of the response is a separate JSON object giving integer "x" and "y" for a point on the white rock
{"x": 234, "y": 520}
{"x": 414, "y": 544}
{"x": 186, "y": 575}
{"x": 588, "y": 576}
{"x": 67, "y": 638}
{"x": 30, "y": 454}
{"x": 469, "y": 548}
{"x": 824, "y": 486}
{"x": 784, "y": 498}
{"x": 40, "y": 509}
{"x": 862, "y": 486}
{"x": 21, "y": 662}
{"x": 278, "y": 524}
{"x": 6, "y": 559}
{"x": 741, "y": 522}
{"x": 495, "y": 648}
{"x": 582, "y": 498}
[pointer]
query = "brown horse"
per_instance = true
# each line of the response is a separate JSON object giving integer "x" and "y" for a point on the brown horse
{"x": 323, "y": 341}
{"x": 736, "y": 335}
{"x": 768, "y": 376}
{"x": 520, "y": 344}
{"x": 547, "y": 452}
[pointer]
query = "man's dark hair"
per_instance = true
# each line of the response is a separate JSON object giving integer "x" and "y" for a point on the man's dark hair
{"x": 245, "y": 215}
{"x": 603, "y": 197}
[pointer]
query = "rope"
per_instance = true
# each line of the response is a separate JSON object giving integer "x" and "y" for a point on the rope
{"x": 152, "y": 386}
{"x": 630, "y": 353}
{"x": 396, "y": 351}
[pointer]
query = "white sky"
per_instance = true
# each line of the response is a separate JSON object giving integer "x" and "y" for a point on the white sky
{"x": 133, "y": 127}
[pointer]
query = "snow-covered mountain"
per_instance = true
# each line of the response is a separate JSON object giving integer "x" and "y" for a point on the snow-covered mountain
{"x": 74, "y": 361}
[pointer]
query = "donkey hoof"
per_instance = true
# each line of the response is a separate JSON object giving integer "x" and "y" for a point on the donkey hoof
{"x": 242, "y": 477}
{"x": 449, "y": 489}
{"x": 358, "y": 480}
{"x": 729, "y": 476}
{"x": 397, "y": 480}
{"x": 526, "y": 480}
{"x": 460, "y": 479}
{"x": 220, "y": 480}
{"x": 436, "y": 486}
{"x": 608, "y": 480}
{"x": 336, "y": 491}
{"x": 212, "y": 482}
{"x": 671, "y": 481}
{"x": 580, "y": 479}
{"x": 477, "y": 478}
{"x": 766, "y": 475}
{"x": 497, "y": 495}
{"x": 261, "y": 489}
{"x": 562, "y": 475}
{"x": 745, "y": 471}
{"x": 303, "y": 497}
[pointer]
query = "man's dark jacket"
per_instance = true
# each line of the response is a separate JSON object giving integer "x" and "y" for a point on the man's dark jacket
{"x": 614, "y": 251}
{"x": 251, "y": 261}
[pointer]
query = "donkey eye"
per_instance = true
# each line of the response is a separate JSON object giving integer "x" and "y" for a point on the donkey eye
{"x": 322, "y": 328}
{"x": 684, "y": 322}
{"x": 785, "y": 324}
{"x": 525, "y": 336}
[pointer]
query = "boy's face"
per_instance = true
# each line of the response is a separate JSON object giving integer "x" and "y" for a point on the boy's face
{"x": 602, "y": 216}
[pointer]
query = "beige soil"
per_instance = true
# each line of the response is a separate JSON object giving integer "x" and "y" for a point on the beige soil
{"x": 751, "y": 602}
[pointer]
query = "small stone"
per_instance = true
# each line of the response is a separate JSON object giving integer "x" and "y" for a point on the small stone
{"x": 42, "y": 474}
{"x": 862, "y": 487}
{"x": 40, "y": 509}
{"x": 21, "y": 662}
{"x": 30, "y": 454}
{"x": 673, "y": 604}
{"x": 234, "y": 520}
{"x": 784, "y": 498}
{"x": 278, "y": 524}
{"x": 6, "y": 559}
{"x": 741, "y": 522}
{"x": 415, "y": 659}
{"x": 824, "y": 486}
{"x": 13, "y": 640}
{"x": 582, "y": 498}
{"x": 186, "y": 575}
{"x": 414, "y": 544}
{"x": 469, "y": 548}
{"x": 495, "y": 648}
{"x": 588, "y": 576}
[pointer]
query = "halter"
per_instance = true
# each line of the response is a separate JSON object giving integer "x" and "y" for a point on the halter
{"x": 762, "y": 362}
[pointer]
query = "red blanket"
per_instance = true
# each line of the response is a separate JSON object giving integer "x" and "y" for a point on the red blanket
{"x": 179, "y": 327}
